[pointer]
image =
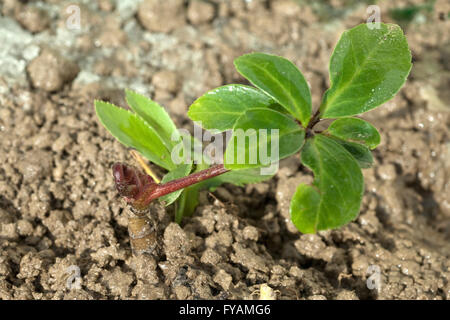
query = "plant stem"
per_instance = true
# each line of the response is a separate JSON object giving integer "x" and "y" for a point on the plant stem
{"x": 315, "y": 119}
{"x": 177, "y": 184}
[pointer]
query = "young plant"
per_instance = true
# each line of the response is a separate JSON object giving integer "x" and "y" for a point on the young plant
{"x": 367, "y": 68}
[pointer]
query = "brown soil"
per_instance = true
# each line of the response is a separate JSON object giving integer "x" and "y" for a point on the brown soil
{"x": 58, "y": 206}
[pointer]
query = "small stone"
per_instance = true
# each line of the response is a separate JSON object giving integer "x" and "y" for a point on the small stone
{"x": 206, "y": 224}
{"x": 58, "y": 172}
{"x": 37, "y": 164}
{"x": 24, "y": 227}
{"x": 5, "y": 270}
{"x": 32, "y": 264}
{"x": 347, "y": 295}
{"x": 50, "y": 71}
{"x": 162, "y": 96}
{"x": 165, "y": 80}
{"x": 5, "y": 216}
{"x": 178, "y": 105}
{"x": 144, "y": 291}
{"x": 210, "y": 256}
{"x": 8, "y": 231}
{"x": 248, "y": 258}
{"x": 286, "y": 8}
{"x": 176, "y": 242}
{"x": 118, "y": 281}
{"x": 9, "y": 7}
{"x": 223, "y": 279}
{"x": 224, "y": 195}
{"x": 224, "y": 238}
{"x": 162, "y": 15}
{"x": 317, "y": 297}
{"x": 42, "y": 140}
{"x": 266, "y": 292}
{"x": 359, "y": 266}
{"x": 182, "y": 292}
{"x": 279, "y": 270}
{"x": 33, "y": 19}
{"x": 312, "y": 246}
{"x": 144, "y": 267}
{"x": 200, "y": 12}
{"x": 387, "y": 171}
{"x": 61, "y": 143}
{"x": 296, "y": 272}
{"x": 105, "y": 5}
{"x": 250, "y": 233}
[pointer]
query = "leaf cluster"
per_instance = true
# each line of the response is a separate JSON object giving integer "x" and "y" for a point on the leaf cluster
{"x": 367, "y": 68}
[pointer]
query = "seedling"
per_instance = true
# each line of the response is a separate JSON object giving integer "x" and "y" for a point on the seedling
{"x": 367, "y": 68}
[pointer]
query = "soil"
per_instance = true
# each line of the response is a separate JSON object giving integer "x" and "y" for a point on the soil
{"x": 60, "y": 213}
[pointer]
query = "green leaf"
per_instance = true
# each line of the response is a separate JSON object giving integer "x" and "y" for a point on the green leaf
{"x": 355, "y": 129}
{"x": 360, "y": 152}
{"x": 248, "y": 148}
{"x": 155, "y": 115}
{"x": 280, "y": 79}
{"x": 367, "y": 68}
{"x": 335, "y": 197}
{"x": 187, "y": 202}
{"x": 220, "y": 108}
{"x": 132, "y": 131}
{"x": 181, "y": 171}
{"x": 179, "y": 207}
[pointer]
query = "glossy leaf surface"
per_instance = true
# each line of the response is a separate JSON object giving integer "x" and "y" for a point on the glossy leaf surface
{"x": 357, "y": 130}
{"x": 280, "y": 79}
{"x": 367, "y": 68}
{"x": 253, "y": 135}
{"x": 132, "y": 131}
{"x": 155, "y": 115}
{"x": 220, "y": 108}
{"x": 335, "y": 197}
{"x": 359, "y": 152}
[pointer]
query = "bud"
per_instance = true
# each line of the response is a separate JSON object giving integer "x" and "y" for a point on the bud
{"x": 133, "y": 185}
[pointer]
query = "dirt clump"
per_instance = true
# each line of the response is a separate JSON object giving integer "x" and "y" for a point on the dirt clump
{"x": 162, "y": 15}
{"x": 166, "y": 80}
{"x": 200, "y": 12}
{"x": 50, "y": 71}
{"x": 32, "y": 19}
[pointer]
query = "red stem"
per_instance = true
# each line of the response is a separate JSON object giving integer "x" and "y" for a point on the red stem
{"x": 177, "y": 184}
